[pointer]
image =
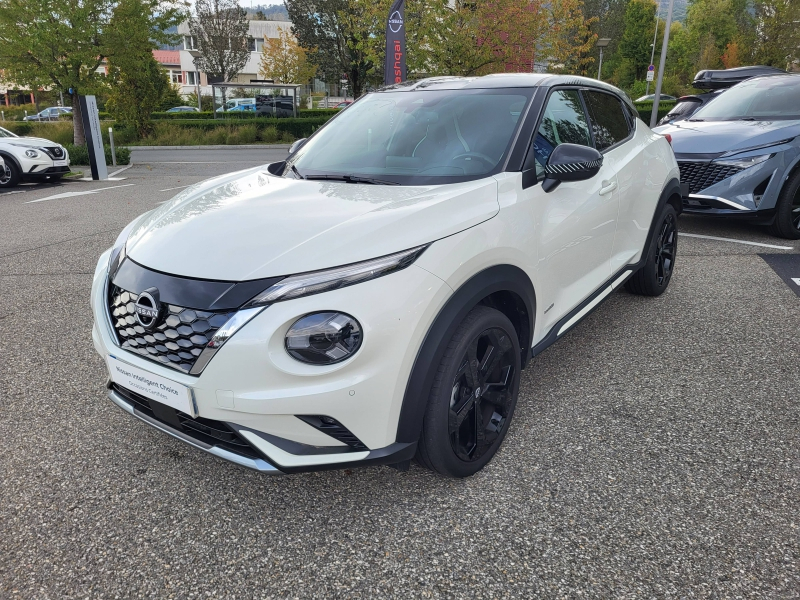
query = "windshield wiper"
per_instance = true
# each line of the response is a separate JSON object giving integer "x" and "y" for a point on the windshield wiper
{"x": 695, "y": 120}
{"x": 747, "y": 118}
{"x": 350, "y": 179}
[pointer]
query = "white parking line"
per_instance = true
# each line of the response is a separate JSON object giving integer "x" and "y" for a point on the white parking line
{"x": 120, "y": 170}
{"x": 719, "y": 239}
{"x": 83, "y": 193}
{"x": 180, "y": 187}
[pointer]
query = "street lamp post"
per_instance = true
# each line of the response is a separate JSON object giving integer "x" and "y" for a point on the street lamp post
{"x": 195, "y": 55}
{"x": 653, "y": 53}
{"x": 661, "y": 63}
{"x": 601, "y": 43}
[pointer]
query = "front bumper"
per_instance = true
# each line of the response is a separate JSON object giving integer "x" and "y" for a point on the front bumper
{"x": 255, "y": 390}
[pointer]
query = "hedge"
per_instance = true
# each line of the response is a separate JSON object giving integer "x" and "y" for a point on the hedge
{"x": 238, "y": 115}
{"x": 79, "y": 155}
{"x": 299, "y": 127}
{"x": 644, "y": 113}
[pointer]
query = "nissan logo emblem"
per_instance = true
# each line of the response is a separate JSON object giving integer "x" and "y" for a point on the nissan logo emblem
{"x": 395, "y": 22}
{"x": 147, "y": 308}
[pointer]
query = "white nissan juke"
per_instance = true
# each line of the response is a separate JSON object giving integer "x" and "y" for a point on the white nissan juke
{"x": 373, "y": 298}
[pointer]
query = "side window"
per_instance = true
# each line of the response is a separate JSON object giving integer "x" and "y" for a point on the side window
{"x": 608, "y": 121}
{"x": 563, "y": 122}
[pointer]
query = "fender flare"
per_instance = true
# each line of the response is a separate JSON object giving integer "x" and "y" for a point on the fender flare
{"x": 498, "y": 278}
{"x": 7, "y": 155}
{"x": 671, "y": 190}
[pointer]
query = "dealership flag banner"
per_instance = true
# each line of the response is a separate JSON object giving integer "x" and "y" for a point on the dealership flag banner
{"x": 395, "y": 71}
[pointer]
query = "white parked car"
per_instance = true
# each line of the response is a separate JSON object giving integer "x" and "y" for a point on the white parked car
{"x": 374, "y": 297}
{"x": 30, "y": 159}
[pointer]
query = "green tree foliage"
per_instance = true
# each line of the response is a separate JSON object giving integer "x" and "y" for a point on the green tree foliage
{"x": 640, "y": 18}
{"x": 138, "y": 84}
{"x": 777, "y": 32}
{"x": 714, "y": 24}
{"x": 61, "y": 43}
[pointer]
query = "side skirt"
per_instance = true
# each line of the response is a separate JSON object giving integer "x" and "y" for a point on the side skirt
{"x": 585, "y": 308}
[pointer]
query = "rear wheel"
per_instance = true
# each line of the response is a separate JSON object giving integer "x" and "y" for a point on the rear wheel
{"x": 654, "y": 276}
{"x": 9, "y": 176}
{"x": 473, "y": 396}
{"x": 787, "y": 217}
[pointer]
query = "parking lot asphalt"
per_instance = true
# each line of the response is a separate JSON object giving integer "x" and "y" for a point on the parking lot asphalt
{"x": 655, "y": 450}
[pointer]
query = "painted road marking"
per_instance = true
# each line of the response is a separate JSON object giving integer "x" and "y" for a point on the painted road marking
{"x": 180, "y": 187}
{"x": 83, "y": 193}
{"x": 719, "y": 239}
{"x": 120, "y": 170}
{"x": 787, "y": 267}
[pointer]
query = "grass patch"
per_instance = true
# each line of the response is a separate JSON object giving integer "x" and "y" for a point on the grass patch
{"x": 174, "y": 134}
{"x": 74, "y": 175}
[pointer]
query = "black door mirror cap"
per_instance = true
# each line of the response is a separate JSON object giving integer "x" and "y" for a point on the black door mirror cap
{"x": 573, "y": 162}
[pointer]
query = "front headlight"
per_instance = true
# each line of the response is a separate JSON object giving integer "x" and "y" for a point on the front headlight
{"x": 744, "y": 163}
{"x": 317, "y": 282}
{"x": 324, "y": 338}
{"x": 31, "y": 153}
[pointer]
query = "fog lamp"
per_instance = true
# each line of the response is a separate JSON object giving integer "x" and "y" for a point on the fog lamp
{"x": 324, "y": 338}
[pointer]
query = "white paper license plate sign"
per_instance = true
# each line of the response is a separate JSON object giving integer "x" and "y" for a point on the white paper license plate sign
{"x": 151, "y": 386}
{"x": 60, "y": 163}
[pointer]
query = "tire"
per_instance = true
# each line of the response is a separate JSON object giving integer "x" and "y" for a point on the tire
{"x": 462, "y": 449}
{"x": 656, "y": 273}
{"x": 787, "y": 215}
{"x": 9, "y": 177}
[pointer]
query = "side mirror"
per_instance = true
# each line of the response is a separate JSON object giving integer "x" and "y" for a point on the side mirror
{"x": 571, "y": 162}
{"x": 297, "y": 145}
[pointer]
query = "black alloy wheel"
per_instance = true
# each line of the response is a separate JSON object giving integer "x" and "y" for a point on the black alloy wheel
{"x": 473, "y": 396}
{"x": 481, "y": 394}
{"x": 655, "y": 274}
{"x": 665, "y": 249}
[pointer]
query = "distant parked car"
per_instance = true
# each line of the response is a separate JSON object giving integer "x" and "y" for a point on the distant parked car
{"x": 274, "y": 106}
{"x": 651, "y": 97}
{"x": 50, "y": 114}
{"x": 740, "y": 154}
{"x": 717, "y": 81}
{"x": 242, "y": 108}
{"x": 178, "y": 109}
{"x": 233, "y": 104}
{"x": 344, "y": 104}
{"x": 30, "y": 159}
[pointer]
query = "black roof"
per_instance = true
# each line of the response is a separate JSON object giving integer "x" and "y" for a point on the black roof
{"x": 504, "y": 80}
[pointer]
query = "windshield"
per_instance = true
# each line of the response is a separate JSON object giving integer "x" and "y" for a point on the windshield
{"x": 768, "y": 98}
{"x": 5, "y": 133}
{"x": 418, "y": 137}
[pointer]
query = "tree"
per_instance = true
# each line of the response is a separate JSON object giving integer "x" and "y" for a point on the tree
{"x": 338, "y": 35}
{"x": 220, "y": 29}
{"x": 61, "y": 43}
{"x": 283, "y": 60}
{"x": 640, "y": 18}
{"x": 778, "y": 32}
{"x": 138, "y": 84}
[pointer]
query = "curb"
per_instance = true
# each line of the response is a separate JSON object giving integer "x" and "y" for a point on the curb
{"x": 218, "y": 147}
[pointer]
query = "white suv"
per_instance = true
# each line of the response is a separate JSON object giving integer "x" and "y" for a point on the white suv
{"x": 30, "y": 159}
{"x": 374, "y": 297}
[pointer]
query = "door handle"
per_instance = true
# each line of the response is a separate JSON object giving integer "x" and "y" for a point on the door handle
{"x": 607, "y": 187}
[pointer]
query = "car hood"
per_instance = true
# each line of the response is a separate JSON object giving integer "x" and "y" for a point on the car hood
{"x": 717, "y": 137}
{"x": 31, "y": 142}
{"x": 251, "y": 225}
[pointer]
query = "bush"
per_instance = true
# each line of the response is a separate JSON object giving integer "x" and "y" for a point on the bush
{"x": 55, "y": 131}
{"x": 237, "y": 116}
{"x": 646, "y": 109}
{"x": 79, "y": 155}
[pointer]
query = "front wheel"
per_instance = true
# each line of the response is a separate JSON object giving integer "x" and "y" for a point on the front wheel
{"x": 787, "y": 213}
{"x": 654, "y": 276}
{"x": 473, "y": 396}
{"x": 9, "y": 175}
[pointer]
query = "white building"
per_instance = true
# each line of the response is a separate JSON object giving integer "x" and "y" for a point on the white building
{"x": 189, "y": 75}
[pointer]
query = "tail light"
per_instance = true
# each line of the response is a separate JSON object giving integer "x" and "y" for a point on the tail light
{"x": 669, "y": 138}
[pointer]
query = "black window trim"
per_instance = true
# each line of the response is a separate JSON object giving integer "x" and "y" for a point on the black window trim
{"x": 631, "y": 130}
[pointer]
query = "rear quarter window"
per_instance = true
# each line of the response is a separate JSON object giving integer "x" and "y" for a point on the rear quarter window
{"x": 609, "y": 124}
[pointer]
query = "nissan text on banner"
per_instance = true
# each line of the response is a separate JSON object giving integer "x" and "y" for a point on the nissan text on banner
{"x": 395, "y": 71}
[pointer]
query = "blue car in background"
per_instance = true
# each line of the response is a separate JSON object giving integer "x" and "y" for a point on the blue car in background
{"x": 739, "y": 155}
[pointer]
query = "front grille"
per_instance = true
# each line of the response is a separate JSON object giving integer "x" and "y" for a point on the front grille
{"x": 208, "y": 431}
{"x": 701, "y": 175}
{"x": 54, "y": 151}
{"x": 177, "y": 340}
